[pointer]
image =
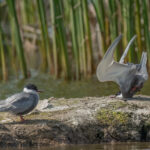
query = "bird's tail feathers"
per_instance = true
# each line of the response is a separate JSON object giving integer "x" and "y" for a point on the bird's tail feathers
{"x": 3, "y": 106}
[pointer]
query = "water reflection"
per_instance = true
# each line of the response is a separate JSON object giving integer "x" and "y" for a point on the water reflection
{"x": 105, "y": 146}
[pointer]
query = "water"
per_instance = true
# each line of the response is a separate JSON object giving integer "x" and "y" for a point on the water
{"x": 118, "y": 146}
{"x": 67, "y": 89}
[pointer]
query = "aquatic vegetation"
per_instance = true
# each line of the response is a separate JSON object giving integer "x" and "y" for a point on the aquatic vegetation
{"x": 70, "y": 36}
{"x": 113, "y": 118}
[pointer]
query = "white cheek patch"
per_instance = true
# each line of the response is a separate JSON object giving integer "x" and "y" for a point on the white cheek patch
{"x": 28, "y": 90}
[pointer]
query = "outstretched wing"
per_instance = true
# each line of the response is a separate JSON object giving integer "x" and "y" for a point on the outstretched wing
{"x": 143, "y": 69}
{"x": 126, "y": 50}
{"x": 109, "y": 70}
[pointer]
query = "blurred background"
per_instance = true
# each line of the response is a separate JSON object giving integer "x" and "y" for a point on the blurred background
{"x": 45, "y": 40}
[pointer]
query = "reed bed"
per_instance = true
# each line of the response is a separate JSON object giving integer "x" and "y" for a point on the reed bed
{"x": 16, "y": 36}
{"x": 65, "y": 34}
{"x": 3, "y": 75}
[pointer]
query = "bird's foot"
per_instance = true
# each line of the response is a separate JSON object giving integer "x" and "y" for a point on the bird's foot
{"x": 21, "y": 118}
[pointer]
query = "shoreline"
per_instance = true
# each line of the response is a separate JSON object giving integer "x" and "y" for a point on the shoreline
{"x": 88, "y": 120}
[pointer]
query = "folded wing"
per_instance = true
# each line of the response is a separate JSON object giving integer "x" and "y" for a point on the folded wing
{"x": 19, "y": 105}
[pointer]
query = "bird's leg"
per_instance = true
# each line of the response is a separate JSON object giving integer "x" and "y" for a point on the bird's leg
{"x": 21, "y": 118}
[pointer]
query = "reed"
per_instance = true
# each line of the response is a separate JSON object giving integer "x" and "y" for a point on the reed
{"x": 3, "y": 58}
{"x": 146, "y": 27}
{"x": 128, "y": 27}
{"x": 55, "y": 51}
{"x": 87, "y": 37}
{"x": 69, "y": 49}
{"x": 131, "y": 31}
{"x": 80, "y": 38}
{"x": 101, "y": 17}
{"x": 75, "y": 46}
{"x": 47, "y": 58}
{"x": 17, "y": 36}
{"x": 138, "y": 28}
{"x": 113, "y": 24}
{"x": 28, "y": 8}
{"x": 146, "y": 24}
{"x": 60, "y": 36}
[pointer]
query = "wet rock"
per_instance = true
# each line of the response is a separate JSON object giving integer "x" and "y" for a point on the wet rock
{"x": 79, "y": 120}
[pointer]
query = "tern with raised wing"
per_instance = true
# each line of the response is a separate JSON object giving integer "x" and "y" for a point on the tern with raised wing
{"x": 130, "y": 77}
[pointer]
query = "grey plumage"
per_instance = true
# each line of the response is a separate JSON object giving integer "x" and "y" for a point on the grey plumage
{"x": 20, "y": 103}
{"x": 130, "y": 77}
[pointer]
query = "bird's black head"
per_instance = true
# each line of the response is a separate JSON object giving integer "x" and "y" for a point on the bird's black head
{"x": 31, "y": 87}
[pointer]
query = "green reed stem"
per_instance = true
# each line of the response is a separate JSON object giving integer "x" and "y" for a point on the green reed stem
{"x": 61, "y": 36}
{"x": 87, "y": 37}
{"x": 55, "y": 53}
{"x": 28, "y": 9}
{"x": 128, "y": 27}
{"x": 100, "y": 15}
{"x": 17, "y": 36}
{"x": 75, "y": 48}
{"x": 81, "y": 39}
{"x": 113, "y": 24}
{"x": 138, "y": 27}
{"x": 3, "y": 58}
{"x": 146, "y": 24}
{"x": 47, "y": 56}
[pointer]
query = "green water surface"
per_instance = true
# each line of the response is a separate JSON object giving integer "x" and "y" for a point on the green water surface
{"x": 62, "y": 88}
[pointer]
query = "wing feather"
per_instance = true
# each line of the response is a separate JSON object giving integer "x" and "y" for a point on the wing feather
{"x": 143, "y": 69}
{"x": 126, "y": 50}
{"x": 110, "y": 70}
{"x": 18, "y": 103}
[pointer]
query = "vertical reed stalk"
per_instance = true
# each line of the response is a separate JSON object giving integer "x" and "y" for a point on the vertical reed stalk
{"x": 27, "y": 11}
{"x": 47, "y": 58}
{"x": 81, "y": 39}
{"x": 66, "y": 5}
{"x": 146, "y": 27}
{"x": 124, "y": 20}
{"x": 17, "y": 37}
{"x": 3, "y": 58}
{"x": 100, "y": 15}
{"x": 128, "y": 27}
{"x": 138, "y": 27}
{"x": 146, "y": 24}
{"x": 61, "y": 37}
{"x": 87, "y": 37}
{"x": 113, "y": 24}
{"x": 55, "y": 53}
{"x": 74, "y": 37}
{"x": 131, "y": 31}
